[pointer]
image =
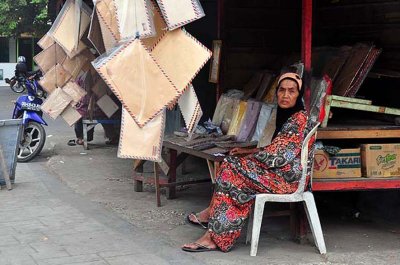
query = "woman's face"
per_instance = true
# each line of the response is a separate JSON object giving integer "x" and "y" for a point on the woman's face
{"x": 287, "y": 94}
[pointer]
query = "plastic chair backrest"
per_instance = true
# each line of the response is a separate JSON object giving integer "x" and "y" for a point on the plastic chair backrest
{"x": 304, "y": 159}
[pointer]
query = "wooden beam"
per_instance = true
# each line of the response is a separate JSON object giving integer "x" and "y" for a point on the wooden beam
{"x": 358, "y": 134}
{"x": 357, "y": 184}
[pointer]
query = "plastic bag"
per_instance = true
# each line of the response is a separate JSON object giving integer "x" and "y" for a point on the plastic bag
{"x": 250, "y": 121}
{"x": 237, "y": 118}
{"x": 134, "y": 18}
{"x": 263, "y": 118}
{"x": 226, "y": 121}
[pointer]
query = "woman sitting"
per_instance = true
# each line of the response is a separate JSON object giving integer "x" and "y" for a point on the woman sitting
{"x": 275, "y": 168}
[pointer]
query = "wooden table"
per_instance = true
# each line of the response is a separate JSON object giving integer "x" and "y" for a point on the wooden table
{"x": 170, "y": 169}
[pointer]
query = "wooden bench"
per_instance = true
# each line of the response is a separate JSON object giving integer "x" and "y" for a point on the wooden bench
{"x": 90, "y": 124}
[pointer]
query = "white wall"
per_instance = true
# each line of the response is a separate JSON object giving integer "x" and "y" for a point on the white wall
{"x": 8, "y": 71}
{"x": 13, "y": 50}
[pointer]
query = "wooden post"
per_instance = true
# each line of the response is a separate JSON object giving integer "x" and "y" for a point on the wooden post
{"x": 157, "y": 183}
{"x": 171, "y": 191}
{"x": 306, "y": 49}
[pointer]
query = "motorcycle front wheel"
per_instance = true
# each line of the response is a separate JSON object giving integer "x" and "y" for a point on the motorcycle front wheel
{"x": 18, "y": 87}
{"x": 32, "y": 142}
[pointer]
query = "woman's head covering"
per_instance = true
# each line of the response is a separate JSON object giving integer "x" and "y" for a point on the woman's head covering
{"x": 282, "y": 115}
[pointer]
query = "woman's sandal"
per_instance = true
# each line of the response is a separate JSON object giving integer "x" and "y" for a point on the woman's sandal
{"x": 197, "y": 221}
{"x": 71, "y": 143}
{"x": 199, "y": 248}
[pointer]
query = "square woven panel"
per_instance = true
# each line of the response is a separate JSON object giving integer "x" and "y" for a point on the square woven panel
{"x": 137, "y": 80}
{"x": 141, "y": 143}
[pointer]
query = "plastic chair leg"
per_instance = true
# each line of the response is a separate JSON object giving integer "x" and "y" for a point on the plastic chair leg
{"x": 313, "y": 219}
{"x": 257, "y": 220}
{"x": 249, "y": 226}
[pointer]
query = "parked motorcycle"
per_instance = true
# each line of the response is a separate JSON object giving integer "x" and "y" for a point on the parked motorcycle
{"x": 28, "y": 108}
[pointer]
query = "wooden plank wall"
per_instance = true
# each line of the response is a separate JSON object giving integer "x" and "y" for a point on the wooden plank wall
{"x": 258, "y": 34}
{"x": 350, "y": 21}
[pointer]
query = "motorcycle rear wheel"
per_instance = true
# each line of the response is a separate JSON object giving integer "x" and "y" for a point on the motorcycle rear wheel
{"x": 18, "y": 87}
{"x": 32, "y": 142}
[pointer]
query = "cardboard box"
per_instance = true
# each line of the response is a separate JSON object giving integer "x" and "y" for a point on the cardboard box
{"x": 345, "y": 164}
{"x": 380, "y": 160}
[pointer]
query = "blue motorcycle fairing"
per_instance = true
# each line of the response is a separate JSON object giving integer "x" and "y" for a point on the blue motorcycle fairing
{"x": 32, "y": 116}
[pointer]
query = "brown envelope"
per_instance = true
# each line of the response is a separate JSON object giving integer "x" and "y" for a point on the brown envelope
{"x": 74, "y": 91}
{"x": 64, "y": 31}
{"x": 94, "y": 35}
{"x": 49, "y": 57}
{"x": 75, "y": 65}
{"x": 108, "y": 17}
{"x": 57, "y": 76}
{"x": 137, "y": 80}
{"x": 46, "y": 41}
{"x": 100, "y": 88}
{"x": 160, "y": 29}
{"x": 181, "y": 56}
{"x": 190, "y": 109}
{"x": 71, "y": 115}
{"x": 107, "y": 105}
{"x": 141, "y": 143}
{"x": 134, "y": 18}
{"x": 178, "y": 13}
{"x": 56, "y": 103}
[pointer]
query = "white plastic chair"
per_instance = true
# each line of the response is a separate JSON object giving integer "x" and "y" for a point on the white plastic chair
{"x": 299, "y": 196}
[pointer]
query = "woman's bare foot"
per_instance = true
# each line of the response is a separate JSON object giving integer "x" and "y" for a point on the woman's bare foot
{"x": 202, "y": 216}
{"x": 203, "y": 242}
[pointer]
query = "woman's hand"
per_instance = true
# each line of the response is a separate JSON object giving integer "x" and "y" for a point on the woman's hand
{"x": 238, "y": 151}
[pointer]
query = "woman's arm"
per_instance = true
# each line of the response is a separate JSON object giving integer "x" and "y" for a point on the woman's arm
{"x": 237, "y": 151}
{"x": 287, "y": 145}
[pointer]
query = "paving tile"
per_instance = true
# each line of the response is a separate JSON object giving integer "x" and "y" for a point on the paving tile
{"x": 7, "y": 240}
{"x": 126, "y": 260}
{"x": 46, "y": 250}
{"x": 71, "y": 260}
